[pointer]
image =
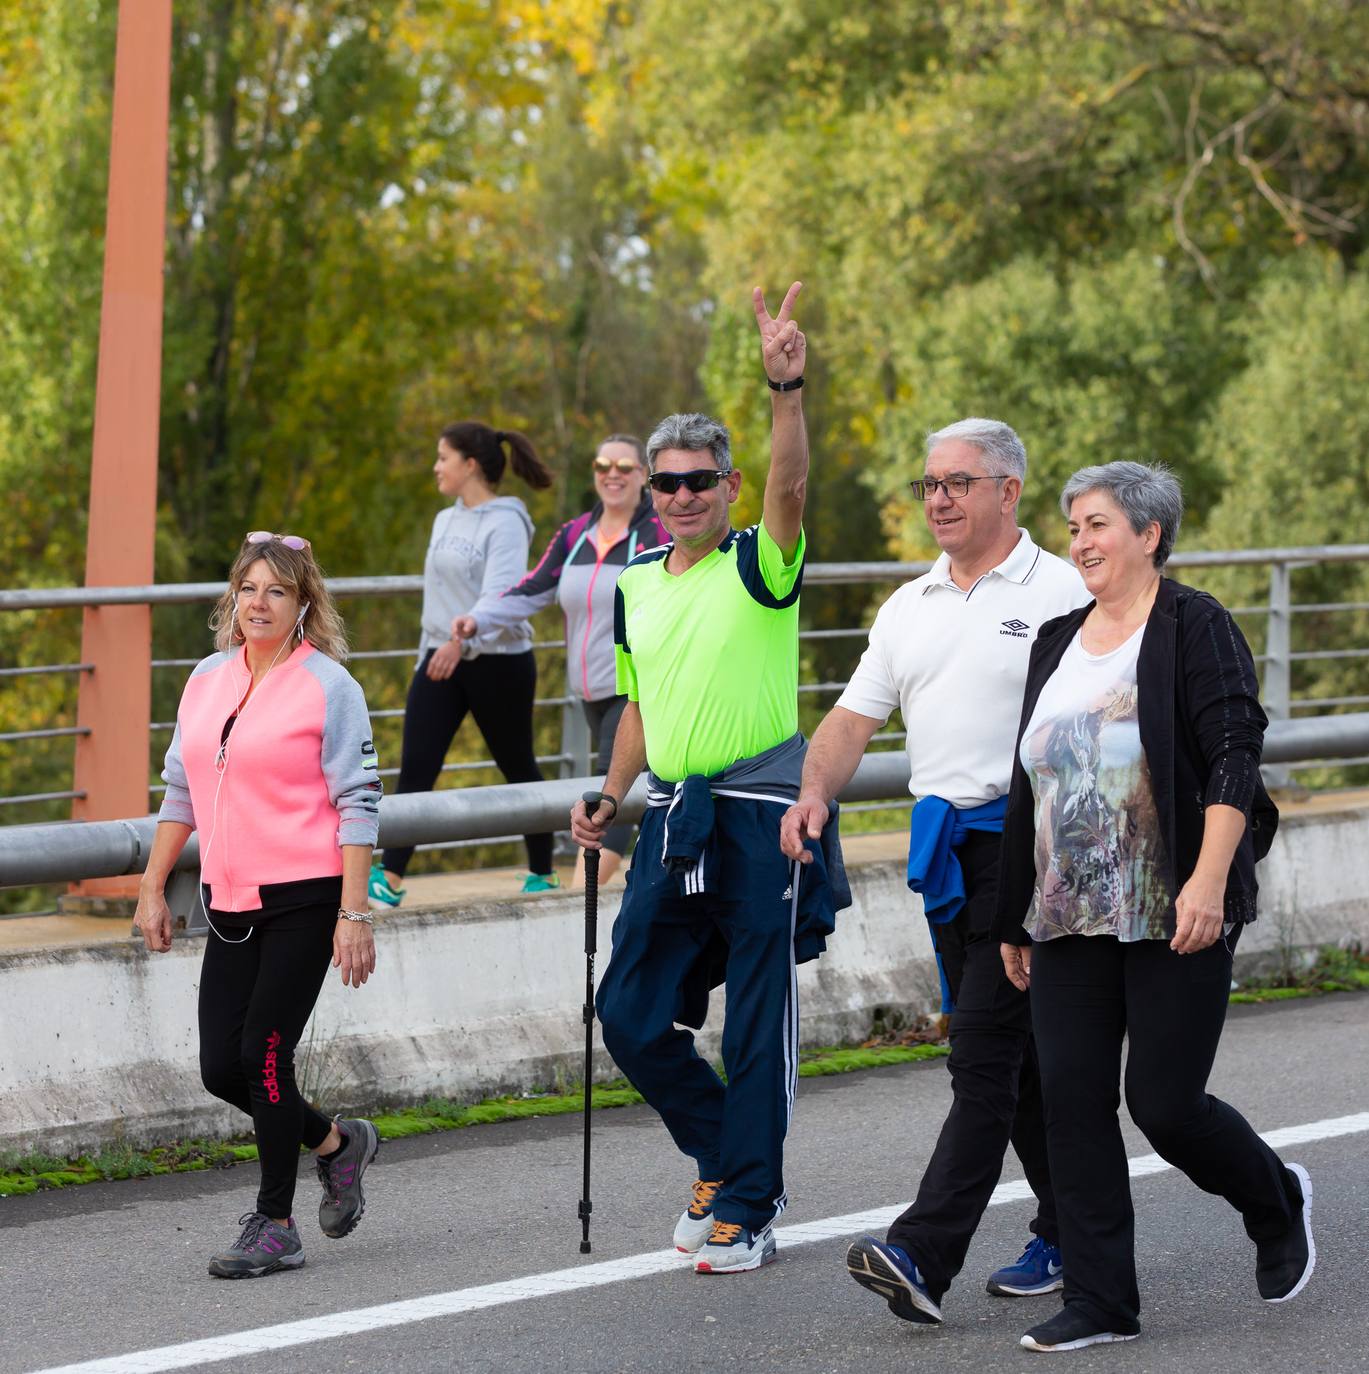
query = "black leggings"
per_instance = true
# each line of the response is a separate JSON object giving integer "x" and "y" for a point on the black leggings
{"x": 498, "y": 690}
{"x": 1088, "y": 993}
{"x": 255, "y": 1000}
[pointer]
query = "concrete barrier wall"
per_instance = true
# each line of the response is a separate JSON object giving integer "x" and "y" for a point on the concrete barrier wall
{"x": 98, "y": 1043}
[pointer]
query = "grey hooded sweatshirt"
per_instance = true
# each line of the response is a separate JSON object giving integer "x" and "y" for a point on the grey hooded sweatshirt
{"x": 474, "y": 556}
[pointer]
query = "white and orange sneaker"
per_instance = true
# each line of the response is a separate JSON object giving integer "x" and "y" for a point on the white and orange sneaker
{"x": 732, "y": 1249}
{"x": 696, "y": 1221}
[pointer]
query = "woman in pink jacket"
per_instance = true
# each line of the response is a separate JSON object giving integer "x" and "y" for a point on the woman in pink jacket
{"x": 272, "y": 762}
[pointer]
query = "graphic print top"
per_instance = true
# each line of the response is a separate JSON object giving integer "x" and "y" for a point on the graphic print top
{"x": 1099, "y": 854}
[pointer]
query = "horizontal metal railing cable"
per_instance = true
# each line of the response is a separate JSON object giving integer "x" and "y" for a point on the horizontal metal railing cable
{"x": 816, "y": 574}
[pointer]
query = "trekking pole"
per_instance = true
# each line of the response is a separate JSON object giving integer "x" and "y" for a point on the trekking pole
{"x": 591, "y": 800}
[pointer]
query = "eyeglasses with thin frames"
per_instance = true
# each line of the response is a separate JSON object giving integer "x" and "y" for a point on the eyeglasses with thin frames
{"x": 697, "y": 479}
{"x": 623, "y": 465}
{"x": 924, "y": 488}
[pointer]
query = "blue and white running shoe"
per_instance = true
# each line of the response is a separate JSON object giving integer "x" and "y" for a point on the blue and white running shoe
{"x": 1039, "y": 1270}
{"x": 889, "y": 1271}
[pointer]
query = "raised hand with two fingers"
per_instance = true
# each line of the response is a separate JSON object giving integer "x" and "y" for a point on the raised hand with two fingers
{"x": 784, "y": 350}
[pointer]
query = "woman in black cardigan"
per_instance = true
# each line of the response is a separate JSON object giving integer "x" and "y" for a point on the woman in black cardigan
{"x": 1135, "y": 819}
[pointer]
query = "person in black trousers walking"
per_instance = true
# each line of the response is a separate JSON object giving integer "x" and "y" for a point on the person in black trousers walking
{"x": 950, "y": 650}
{"x": 479, "y": 547}
{"x": 1136, "y": 815}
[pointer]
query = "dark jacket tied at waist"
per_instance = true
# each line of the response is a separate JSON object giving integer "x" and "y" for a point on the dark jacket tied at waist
{"x": 714, "y": 822}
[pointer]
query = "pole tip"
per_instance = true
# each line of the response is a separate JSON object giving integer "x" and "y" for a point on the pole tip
{"x": 584, "y": 1247}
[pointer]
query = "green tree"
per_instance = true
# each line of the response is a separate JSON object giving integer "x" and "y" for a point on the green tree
{"x": 1292, "y": 437}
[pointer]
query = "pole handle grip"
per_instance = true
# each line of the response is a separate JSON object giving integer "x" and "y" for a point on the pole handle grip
{"x": 591, "y": 801}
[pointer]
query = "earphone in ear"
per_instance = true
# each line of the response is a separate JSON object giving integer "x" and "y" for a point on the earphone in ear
{"x": 303, "y": 611}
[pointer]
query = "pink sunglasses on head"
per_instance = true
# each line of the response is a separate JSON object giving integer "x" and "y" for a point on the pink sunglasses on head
{"x": 291, "y": 541}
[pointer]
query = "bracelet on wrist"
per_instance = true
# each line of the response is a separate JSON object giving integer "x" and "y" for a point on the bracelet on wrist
{"x": 344, "y": 915}
{"x": 784, "y": 386}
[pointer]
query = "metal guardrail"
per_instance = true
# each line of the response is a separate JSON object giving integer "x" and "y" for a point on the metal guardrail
{"x": 816, "y": 574}
{"x": 68, "y": 852}
{"x": 575, "y": 751}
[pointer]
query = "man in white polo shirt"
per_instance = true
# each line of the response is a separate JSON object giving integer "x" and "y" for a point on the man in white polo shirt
{"x": 951, "y": 648}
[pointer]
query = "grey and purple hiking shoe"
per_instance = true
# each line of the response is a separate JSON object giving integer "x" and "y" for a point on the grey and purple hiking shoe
{"x": 343, "y": 1200}
{"x": 263, "y": 1247}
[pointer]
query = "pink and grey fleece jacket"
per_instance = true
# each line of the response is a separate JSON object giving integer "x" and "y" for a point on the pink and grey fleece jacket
{"x": 299, "y": 778}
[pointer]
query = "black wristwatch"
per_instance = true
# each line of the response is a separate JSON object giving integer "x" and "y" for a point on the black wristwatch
{"x": 784, "y": 386}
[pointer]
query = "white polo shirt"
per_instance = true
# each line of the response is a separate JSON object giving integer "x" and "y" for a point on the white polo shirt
{"x": 956, "y": 663}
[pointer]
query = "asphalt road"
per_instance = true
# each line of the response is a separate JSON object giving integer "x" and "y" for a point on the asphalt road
{"x": 116, "y": 1269}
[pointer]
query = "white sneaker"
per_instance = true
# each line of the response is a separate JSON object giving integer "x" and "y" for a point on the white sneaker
{"x": 732, "y": 1249}
{"x": 696, "y": 1221}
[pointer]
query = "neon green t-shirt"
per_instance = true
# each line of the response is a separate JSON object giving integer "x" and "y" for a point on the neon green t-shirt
{"x": 712, "y": 656}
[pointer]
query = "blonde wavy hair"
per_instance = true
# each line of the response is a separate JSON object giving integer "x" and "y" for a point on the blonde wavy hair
{"x": 296, "y": 570}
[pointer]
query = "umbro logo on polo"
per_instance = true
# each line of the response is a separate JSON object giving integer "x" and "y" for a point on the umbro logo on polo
{"x": 1016, "y": 629}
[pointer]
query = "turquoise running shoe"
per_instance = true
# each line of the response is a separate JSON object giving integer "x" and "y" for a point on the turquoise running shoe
{"x": 378, "y": 888}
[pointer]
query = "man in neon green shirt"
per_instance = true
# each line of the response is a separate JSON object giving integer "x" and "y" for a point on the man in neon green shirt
{"x": 706, "y": 635}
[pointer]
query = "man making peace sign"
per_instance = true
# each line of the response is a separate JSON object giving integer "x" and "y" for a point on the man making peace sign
{"x": 706, "y": 635}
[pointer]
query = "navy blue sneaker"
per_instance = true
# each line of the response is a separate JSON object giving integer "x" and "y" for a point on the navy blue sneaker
{"x": 1039, "y": 1270}
{"x": 890, "y": 1272}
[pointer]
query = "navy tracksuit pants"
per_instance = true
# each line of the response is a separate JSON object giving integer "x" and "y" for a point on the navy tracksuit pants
{"x": 734, "y": 1131}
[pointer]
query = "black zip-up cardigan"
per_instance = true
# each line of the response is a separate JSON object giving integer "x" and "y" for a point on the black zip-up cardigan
{"x": 1202, "y": 729}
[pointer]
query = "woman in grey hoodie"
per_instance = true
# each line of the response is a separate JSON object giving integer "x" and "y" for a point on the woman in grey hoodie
{"x": 479, "y": 547}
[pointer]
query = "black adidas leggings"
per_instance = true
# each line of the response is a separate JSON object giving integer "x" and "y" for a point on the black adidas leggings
{"x": 255, "y": 1000}
{"x": 498, "y": 690}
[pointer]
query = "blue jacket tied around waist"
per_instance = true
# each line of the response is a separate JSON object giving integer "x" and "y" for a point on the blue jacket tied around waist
{"x": 934, "y": 830}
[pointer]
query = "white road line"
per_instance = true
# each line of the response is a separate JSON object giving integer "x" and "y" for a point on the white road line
{"x": 268, "y": 1338}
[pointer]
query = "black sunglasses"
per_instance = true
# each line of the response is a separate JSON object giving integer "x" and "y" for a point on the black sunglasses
{"x": 699, "y": 479}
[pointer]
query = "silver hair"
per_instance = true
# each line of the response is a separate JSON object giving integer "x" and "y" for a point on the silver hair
{"x": 1005, "y": 455}
{"x": 1145, "y": 494}
{"x": 691, "y": 432}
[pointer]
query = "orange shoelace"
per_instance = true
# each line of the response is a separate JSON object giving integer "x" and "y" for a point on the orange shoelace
{"x": 725, "y": 1232}
{"x": 704, "y": 1193}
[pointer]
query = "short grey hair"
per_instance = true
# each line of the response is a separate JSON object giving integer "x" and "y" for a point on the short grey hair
{"x": 1145, "y": 495}
{"x": 691, "y": 431}
{"x": 1005, "y": 455}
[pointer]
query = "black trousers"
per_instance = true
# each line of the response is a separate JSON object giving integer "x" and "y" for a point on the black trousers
{"x": 995, "y": 1086}
{"x": 1088, "y": 992}
{"x": 498, "y": 690}
{"x": 256, "y": 997}
{"x": 603, "y": 716}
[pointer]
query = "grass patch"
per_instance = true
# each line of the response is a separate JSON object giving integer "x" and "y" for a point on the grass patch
{"x": 1333, "y": 970}
{"x": 27, "y": 1173}
{"x": 1257, "y": 996}
{"x": 828, "y": 1061}
{"x": 439, "y": 1114}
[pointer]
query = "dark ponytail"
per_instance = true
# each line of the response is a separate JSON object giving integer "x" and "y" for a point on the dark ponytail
{"x": 474, "y": 440}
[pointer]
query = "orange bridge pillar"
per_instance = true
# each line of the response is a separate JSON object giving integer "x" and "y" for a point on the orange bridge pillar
{"x": 116, "y": 698}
